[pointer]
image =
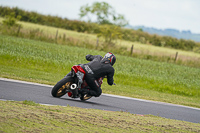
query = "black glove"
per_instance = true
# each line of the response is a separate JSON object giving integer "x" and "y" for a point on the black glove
{"x": 88, "y": 57}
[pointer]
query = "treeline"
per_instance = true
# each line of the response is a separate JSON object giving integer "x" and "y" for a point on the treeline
{"x": 49, "y": 20}
{"x": 81, "y": 26}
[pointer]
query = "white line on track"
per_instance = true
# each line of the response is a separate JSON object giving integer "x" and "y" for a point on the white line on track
{"x": 110, "y": 95}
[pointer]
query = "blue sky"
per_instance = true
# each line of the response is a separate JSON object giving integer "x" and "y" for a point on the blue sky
{"x": 161, "y": 14}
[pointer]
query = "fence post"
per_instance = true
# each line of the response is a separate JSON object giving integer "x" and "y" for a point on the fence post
{"x": 97, "y": 43}
{"x": 64, "y": 36}
{"x": 132, "y": 50}
{"x": 18, "y": 30}
{"x": 56, "y": 36}
{"x": 176, "y": 56}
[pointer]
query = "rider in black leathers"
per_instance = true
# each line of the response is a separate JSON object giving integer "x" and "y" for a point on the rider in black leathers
{"x": 96, "y": 68}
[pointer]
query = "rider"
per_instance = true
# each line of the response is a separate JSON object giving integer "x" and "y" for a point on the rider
{"x": 96, "y": 68}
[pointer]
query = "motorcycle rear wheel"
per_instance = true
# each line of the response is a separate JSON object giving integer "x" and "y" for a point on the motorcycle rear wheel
{"x": 62, "y": 86}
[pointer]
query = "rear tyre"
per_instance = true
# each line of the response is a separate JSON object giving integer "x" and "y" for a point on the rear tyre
{"x": 62, "y": 86}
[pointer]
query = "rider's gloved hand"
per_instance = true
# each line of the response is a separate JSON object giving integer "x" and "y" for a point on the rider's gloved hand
{"x": 88, "y": 57}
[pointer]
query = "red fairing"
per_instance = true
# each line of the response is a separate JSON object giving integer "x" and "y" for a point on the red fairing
{"x": 78, "y": 68}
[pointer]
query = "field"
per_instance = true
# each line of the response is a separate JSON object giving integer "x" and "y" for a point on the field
{"x": 138, "y": 47}
{"x": 146, "y": 51}
{"x": 27, "y": 116}
{"x": 47, "y": 63}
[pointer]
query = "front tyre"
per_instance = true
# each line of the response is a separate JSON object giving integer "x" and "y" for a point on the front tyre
{"x": 60, "y": 88}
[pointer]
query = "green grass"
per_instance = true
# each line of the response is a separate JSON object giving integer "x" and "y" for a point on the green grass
{"x": 27, "y": 116}
{"x": 47, "y": 63}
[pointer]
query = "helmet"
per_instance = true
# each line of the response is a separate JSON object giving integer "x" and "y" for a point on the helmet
{"x": 111, "y": 57}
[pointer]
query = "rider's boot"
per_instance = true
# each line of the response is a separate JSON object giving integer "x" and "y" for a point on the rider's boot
{"x": 85, "y": 95}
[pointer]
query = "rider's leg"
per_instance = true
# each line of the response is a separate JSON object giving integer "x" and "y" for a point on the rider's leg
{"x": 95, "y": 89}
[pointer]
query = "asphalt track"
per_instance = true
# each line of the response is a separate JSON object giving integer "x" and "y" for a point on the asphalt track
{"x": 20, "y": 91}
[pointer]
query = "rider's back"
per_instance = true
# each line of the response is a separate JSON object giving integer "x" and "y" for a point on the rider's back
{"x": 99, "y": 68}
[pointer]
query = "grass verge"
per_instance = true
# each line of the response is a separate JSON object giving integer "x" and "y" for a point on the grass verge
{"x": 27, "y": 116}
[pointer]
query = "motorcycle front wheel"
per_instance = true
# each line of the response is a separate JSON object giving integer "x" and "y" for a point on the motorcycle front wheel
{"x": 62, "y": 86}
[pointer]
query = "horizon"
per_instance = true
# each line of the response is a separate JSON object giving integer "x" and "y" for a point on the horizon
{"x": 138, "y": 26}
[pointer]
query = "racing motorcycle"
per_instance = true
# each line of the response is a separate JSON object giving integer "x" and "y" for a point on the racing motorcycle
{"x": 74, "y": 85}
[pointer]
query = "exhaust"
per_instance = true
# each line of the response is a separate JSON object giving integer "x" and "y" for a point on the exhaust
{"x": 74, "y": 89}
{"x": 73, "y": 86}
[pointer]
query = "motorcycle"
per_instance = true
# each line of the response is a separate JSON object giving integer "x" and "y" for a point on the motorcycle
{"x": 74, "y": 85}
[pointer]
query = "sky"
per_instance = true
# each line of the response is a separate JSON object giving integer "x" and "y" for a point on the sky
{"x": 161, "y": 14}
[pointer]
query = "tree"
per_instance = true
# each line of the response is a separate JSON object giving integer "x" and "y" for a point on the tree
{"x": 103, "y": 13}
{"x": 11, "y": 20}
{"x": 110, "y": 33}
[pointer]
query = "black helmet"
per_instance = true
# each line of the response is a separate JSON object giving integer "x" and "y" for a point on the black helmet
{"x": 111, "y": 57}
